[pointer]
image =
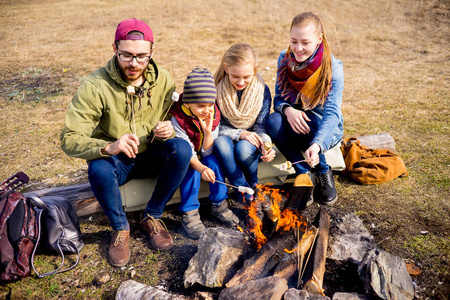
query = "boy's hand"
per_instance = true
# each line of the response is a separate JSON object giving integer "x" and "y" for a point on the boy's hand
{"x": 208, "y": 175}
{"x": 206, "y": 123}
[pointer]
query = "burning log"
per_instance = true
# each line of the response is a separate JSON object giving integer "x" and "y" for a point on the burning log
{"x": 292, "y": 262}
{"x": 285, "y": 238}
{"x": 316, "y": 268}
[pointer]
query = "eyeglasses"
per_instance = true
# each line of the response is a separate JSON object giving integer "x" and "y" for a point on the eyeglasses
{"x": 128, "y": 57}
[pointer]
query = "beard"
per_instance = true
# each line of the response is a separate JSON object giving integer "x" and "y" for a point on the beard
{"x": 130, "y": 73}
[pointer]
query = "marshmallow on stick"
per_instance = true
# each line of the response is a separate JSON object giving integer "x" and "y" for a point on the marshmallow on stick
{"x": 242, "y": 189}
{"x": 175, "y": 97}
{"x": 287, "y": 165}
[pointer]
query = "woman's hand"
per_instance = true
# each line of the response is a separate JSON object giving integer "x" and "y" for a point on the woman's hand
{"x": 252, "y": 137}
{"x": 208, "y": 175}
{"x": 297, "y": 119}
{"x": 312, "y": 155}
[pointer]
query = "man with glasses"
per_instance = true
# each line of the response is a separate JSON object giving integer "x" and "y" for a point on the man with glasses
{"x": 111, "y": 122}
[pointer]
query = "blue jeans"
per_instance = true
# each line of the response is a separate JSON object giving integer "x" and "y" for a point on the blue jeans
{"x": 239, "y": 161}
{"x": 169, "y": 160}
{"x": 291, "y": 143}
{"x": 191, "y": 184}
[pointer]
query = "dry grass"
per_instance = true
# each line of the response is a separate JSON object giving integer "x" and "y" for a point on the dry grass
{"x": 397, "y": 74}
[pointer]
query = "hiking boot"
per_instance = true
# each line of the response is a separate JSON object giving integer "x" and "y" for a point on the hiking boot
{"x": 119, "y": 250}
{"x": 191, "y": 223}
{"x": 160, "y": 238}
{"x": 325, "y": 191}
{"x": 225, "y": 215}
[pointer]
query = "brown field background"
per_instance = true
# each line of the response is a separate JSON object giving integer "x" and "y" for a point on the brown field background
{"x": 397, "y": 73}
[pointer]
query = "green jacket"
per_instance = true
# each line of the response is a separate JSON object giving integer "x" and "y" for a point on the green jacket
{"x": 99, "y": 113}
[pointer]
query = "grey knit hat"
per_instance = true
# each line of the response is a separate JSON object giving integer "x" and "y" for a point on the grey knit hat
{"x": 199, "y": 87}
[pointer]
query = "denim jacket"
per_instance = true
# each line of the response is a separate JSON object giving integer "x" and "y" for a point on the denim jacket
{"x": 331, "y": 129}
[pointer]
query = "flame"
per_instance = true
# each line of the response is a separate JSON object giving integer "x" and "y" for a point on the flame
{"x": 256, "y": 225}
{"x": 286, "y": 219}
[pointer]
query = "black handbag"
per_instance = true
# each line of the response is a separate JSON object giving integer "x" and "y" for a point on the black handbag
{"x": 58, "y": 229}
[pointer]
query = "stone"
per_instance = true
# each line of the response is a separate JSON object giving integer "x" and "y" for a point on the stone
{"x": 350, "y": 240}
{"x": 349, "y": 296}
{"x": 131, "y": 289}
{"x": 221, "y": 252}
{"x": 270, "y": 287}
{"x": 385, "y": 276}
{"x": 294, "y": 294}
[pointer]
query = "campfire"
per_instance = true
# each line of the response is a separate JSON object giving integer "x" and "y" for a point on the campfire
{"x": 284, "y": 240}
{"x": 280, "y": 254}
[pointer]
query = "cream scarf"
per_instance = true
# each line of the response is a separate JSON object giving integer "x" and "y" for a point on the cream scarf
{"x": 241, "y": 115}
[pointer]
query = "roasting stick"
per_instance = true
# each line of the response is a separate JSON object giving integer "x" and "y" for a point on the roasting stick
{"x": 175, "y": 97}
{"x": 241, "y": 189}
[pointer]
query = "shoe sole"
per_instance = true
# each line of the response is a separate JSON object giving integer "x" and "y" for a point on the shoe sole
{"x": 329, "y": 202}
{"x": 190, "y": 236}
{"x": 120, "y": 265}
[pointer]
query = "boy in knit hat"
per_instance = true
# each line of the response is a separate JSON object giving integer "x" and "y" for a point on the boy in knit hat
{"x": 196, "y": 119}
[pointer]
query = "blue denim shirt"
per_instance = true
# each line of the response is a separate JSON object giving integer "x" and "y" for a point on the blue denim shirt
{"x": 331, "y": 129}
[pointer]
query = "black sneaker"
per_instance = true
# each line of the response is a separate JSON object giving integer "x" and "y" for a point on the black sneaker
{"x": 325, "y": 189}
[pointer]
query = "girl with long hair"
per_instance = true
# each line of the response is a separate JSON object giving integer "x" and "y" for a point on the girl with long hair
{"x": 308, "y": 94}
{"x": 244, "y": 101}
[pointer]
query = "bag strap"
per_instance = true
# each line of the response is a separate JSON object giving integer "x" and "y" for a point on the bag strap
{"x": 40, "y": 207}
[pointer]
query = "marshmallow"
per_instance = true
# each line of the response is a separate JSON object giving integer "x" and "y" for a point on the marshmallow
{"x": 175, "y": 96}
{"x": 285, "y": 166}
{"x": 130, "y": 90}
{"x": 247, "y": 190}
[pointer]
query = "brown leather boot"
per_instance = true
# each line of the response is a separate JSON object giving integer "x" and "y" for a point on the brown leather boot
{"x": 160, "y": 238}
{"x": 119, "y": 250}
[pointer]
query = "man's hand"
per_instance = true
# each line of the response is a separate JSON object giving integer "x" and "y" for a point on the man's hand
{"x": 252, "y": 137}
{"x": 163, "y": 129}
{"x": 127, "y": 143}
{"x": 297, "y": 119}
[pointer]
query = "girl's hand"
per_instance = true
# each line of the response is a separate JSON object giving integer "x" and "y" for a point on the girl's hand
{"x": 312, "y": 155}
{"x": 127, "y": 144}
{"x": 252, "y": 137}
{"x": 208, "y": 175}
{"x": 268, "y": 156}
{"x": 297, "y": 119}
